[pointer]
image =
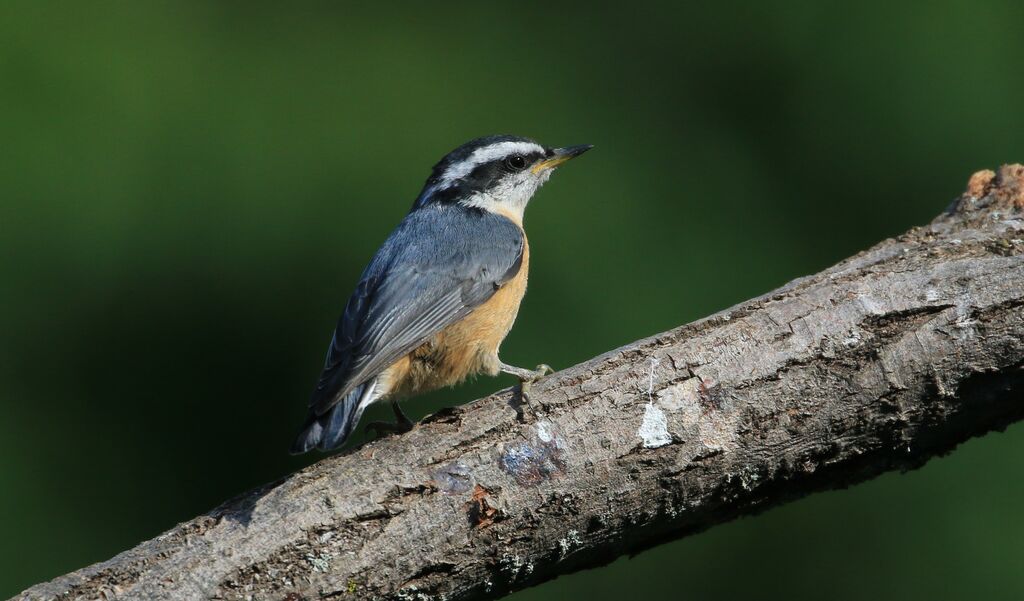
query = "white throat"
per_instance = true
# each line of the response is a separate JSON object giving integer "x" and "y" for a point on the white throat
{"x": 511, "y": 197}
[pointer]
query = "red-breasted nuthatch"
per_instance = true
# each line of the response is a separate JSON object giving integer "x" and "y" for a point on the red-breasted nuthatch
{"x": 438, "y": 298}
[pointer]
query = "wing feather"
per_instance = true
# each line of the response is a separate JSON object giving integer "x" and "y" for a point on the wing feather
{"x": 436, "y": 267}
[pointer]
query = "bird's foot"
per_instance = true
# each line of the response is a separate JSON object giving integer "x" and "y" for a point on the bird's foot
{"x": 402, "y": 423}
{"x": 526, "y": 379}
{"x": 382, "y": 429}
{"x": 527, "y": 375}
{"x": 530, "y": 377}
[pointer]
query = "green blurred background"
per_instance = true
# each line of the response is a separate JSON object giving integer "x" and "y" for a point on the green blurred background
{"x": 189, "y": 190}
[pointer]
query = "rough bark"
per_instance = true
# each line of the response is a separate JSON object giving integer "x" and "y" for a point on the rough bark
{"x": 879, "y": 363}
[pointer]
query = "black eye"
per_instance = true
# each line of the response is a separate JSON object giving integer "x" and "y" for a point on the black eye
{"x": 516, "y": 162}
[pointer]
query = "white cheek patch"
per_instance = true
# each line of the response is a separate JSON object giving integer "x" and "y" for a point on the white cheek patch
{"x": 510, "y": 197}
{"x": 484, "y": 155}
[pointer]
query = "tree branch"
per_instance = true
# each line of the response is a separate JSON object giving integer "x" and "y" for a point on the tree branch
{"x": 879, "y": 363}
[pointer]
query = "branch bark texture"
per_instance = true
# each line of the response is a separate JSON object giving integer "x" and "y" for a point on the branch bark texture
{"x": 879, "y": 363}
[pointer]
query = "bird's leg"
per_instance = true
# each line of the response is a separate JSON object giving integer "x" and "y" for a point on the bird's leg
{"x": 526, "y": 377}
{"x": 402, "y": 424}
{"x": 400, "y": 417}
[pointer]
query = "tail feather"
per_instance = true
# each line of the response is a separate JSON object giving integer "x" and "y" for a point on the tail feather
{"x": 330, "y": 430}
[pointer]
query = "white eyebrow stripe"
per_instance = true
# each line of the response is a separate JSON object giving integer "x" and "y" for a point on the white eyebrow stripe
{"x": 484, "y": 155}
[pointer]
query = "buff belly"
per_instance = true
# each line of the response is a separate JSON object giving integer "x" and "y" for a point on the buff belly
{"x": 463, "y": 349}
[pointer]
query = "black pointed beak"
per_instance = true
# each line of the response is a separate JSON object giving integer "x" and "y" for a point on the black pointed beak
{"x": 561, "y": 155}
{"x": 571, "y": 152}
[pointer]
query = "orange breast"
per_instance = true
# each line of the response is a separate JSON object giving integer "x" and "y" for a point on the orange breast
{"x": 465, "y": 348}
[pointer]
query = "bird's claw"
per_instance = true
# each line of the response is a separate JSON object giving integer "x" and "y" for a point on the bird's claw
{"x": 527, "y": 378}
{"x": 382, "y": 429}
{"x": 526, "y": 383}
{"x": 543, "y": 370}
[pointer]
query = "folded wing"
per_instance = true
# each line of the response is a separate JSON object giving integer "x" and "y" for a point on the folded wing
{"x": 439, "y": 264}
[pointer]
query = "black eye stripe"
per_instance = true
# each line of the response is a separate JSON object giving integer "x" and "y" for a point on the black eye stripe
{"x": 485, "y": 175}
{"x": 465, "y": 170}
{"x": 519, "y": 161}
{"x": 516, "y": 161}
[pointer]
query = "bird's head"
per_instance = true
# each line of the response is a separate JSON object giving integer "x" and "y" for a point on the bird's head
{"x": 495, "y": 173}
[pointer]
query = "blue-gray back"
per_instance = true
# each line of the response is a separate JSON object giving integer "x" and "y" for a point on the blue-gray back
{"x": 435, "y": 267}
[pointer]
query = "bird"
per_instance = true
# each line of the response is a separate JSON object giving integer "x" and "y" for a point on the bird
{"x": 441, "y": 294}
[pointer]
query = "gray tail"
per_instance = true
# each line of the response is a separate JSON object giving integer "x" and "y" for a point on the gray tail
{"x": 330, "y": 430}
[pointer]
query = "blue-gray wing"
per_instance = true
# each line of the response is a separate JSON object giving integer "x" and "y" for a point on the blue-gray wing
{"x": 439, "y": 264}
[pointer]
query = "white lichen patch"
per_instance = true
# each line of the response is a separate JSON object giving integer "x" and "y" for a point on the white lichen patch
{"x": 413, "y": 593}
{"x": 544, "y": 431}
{"x": 749, "y": 478}
{"x": 566, "y": 545}
{"x": 514, "y": 566}
{"x": 320, "y": 562}
{"x": 654, "y": 427}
